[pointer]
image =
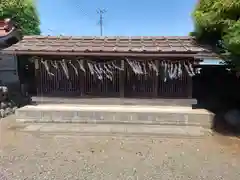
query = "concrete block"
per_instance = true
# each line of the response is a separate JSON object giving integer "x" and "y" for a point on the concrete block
{"x": 124, "y": 115}
{"x": 110, "y": 129}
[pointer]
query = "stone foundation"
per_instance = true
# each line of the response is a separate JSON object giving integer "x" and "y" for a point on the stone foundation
{"x": 158, "y": 115}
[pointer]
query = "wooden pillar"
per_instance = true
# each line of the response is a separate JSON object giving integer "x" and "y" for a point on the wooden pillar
{"x": 122, "y": 79}
{"x": 37, "y": 76}
{"x": 156, "y": 83}
{"x": 190, "y": 87}
{"x": 82, "y": 82}
{"x": 190, "y": 82}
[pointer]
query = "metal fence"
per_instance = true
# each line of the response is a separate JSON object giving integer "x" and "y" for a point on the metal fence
{"x": 85, "y": 84}
{"x": 97, "y": 88}
{"x": 139, "y": 85}
{"x": 56, "y": 83}
{"x": 175, "y": 88}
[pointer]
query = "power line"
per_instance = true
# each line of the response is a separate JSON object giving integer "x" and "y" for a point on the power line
{"x": 55, "y": 32}
{"x": 101, "y": 12}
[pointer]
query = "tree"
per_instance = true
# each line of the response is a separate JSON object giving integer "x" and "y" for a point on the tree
{"x": 217, "y": 24}
{"x": 23, "y": 13}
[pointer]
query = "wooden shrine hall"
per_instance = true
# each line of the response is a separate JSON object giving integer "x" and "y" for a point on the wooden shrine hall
{"x": 134, "y": 67}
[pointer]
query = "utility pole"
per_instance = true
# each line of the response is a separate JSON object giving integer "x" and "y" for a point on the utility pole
{"x": 101, "y": 12}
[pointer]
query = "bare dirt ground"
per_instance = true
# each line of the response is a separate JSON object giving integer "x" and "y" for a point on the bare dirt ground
{"x": 58, "y": 156}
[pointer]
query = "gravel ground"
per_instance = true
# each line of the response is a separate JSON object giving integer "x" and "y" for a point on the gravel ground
{"x": 51, "y": 156}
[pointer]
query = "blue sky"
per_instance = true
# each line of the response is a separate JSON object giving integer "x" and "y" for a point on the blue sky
{"x": 123, "y": 17}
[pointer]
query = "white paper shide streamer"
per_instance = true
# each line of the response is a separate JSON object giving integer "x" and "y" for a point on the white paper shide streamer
{"x": 46, "y": 65}
{"x": 142, "y": 68}
{"x": 101, "y": 70}
{"x": 167, "y": 69}
{"x": 65, "y": 68}
{"x": 81, "y": 66}
{"x": 171, "y": 70}
{"x": 189, "y": 69}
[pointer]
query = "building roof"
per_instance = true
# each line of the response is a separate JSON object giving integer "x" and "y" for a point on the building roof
{"x": 70, "y": 45}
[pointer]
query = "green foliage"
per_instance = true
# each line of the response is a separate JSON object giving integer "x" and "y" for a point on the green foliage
{"x": 23, "y": 12}
{"x": 217, "y": 23}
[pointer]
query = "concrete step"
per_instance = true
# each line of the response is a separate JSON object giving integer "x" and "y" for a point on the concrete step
{"x": 114, "y": 101}
{"x": 115, "y": 114}
{"x": 116, "y": 130}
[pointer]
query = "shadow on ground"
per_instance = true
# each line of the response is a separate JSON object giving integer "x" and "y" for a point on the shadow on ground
{"x": 221, "y": 126}
{"x": 219, "y": 123}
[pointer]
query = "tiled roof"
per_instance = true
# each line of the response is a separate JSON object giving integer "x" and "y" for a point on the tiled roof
{"x": 121, "y": 44}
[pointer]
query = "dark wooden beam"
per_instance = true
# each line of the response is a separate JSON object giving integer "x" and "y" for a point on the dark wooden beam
{"x": 156, "y": 83}
{"x": 82, "y": 82}
{"x": 190, "y": 87}
{"x": 110, "y": 54}
{"x": 122, "y": 79}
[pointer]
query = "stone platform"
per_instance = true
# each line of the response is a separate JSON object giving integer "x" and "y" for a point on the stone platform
{"x": 114, "y": 101}
{"x": 117, "y": 130}
{"x": 115, "y": 114}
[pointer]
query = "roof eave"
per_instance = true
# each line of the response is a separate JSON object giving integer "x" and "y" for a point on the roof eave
{"x": 116, "y": 54}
